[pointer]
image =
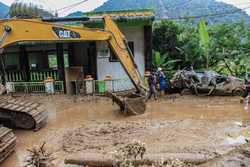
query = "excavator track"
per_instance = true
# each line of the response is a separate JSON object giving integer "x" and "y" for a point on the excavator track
{"x": 18, "y": 113}
{"x": 7, "y": 143}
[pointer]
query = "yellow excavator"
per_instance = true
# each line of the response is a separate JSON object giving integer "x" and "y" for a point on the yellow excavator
{"x": 29, "y": 115}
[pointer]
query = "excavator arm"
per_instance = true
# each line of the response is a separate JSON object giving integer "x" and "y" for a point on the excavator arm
{"x": 34, "y": 30}
{"x": 119, "y": 45}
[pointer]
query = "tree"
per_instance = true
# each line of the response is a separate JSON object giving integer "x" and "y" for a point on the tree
{"x": 24, "y": 10}
{"x": 165, "y": 37}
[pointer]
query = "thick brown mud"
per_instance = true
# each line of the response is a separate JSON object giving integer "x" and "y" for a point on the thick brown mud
{"x": 174, "y": 124}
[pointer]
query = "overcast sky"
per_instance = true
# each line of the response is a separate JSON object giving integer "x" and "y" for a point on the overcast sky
{"x": 92, "y": 4}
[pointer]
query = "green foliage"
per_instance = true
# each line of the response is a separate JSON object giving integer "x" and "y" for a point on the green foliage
{"x": 157, "y": 60}
{"x": 204, "y": 37}
{"x": 166, "y": 31}
{"x": 228, "y": 46}
{"x": 27, "y": 11}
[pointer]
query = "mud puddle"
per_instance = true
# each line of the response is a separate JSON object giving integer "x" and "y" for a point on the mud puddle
{"x": 187, "y": 124}
{"x": 240, "y": 156}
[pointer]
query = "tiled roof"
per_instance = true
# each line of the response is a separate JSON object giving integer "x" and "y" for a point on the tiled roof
{"x": 124, "y": 13}
{"x": 126, "y": 17}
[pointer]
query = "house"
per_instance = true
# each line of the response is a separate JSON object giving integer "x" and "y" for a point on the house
{"x": 28, "y": 64}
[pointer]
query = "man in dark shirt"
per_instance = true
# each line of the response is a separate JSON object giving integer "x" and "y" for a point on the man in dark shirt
{"x": 247, "y": 83}
{"x": 152, "y": 82}
{"x": 246, "y": 98}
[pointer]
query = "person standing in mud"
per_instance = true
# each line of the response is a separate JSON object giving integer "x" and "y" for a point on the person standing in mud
{"x": 246, "y": 97}
{"x": 162, "y": 81}
{"x": 152, "y": 83}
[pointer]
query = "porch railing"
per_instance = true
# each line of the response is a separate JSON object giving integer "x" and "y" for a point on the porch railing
{"x": 100, "y": 87}
{"x": 36, "y": 87}
{"x": 14, "y": 76}
{"x": 41, "y": 75}
{"x": 35, "y": 75}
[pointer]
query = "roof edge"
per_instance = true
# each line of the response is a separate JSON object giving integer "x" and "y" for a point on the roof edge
{"x": 149, "y": 11}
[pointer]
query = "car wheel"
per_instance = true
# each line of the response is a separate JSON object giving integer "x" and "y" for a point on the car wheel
{"x": 239, "y": 92}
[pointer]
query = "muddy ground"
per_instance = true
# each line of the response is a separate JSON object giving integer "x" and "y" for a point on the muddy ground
{"x": 202, "y": 126}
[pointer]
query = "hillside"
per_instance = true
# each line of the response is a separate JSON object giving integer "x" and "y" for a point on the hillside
{"x": 179, "y": 8}
{"x": 3, "y": 10}
{"x": 75, "y": 14}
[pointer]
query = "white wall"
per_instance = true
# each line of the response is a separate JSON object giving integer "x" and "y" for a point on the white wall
{"x": 105, "y": 67}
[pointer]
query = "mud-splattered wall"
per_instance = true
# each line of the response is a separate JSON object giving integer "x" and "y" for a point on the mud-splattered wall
{"x": 114, "y": 68}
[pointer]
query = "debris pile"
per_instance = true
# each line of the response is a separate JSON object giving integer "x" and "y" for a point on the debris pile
{"x": 134, "y": 149}
{"x": 172, "y": 163}
{"x": 39, "y": 157}
{"x": 131, "y": 151}
{"x": 127, "y": 156}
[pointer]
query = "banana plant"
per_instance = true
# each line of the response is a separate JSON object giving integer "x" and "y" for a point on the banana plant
{"x": 165, "y": 62}
{"x": 204, "y": 40}
{"x": 157, "y": 59}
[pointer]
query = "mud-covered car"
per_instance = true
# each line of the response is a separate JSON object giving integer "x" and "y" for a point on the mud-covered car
{"x": 208, "y": 82}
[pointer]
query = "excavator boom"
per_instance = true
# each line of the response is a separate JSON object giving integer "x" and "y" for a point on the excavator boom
{"x": 25, "y": 30}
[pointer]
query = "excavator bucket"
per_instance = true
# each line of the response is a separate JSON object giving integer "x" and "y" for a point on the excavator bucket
{"x": 129, "y": 103}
